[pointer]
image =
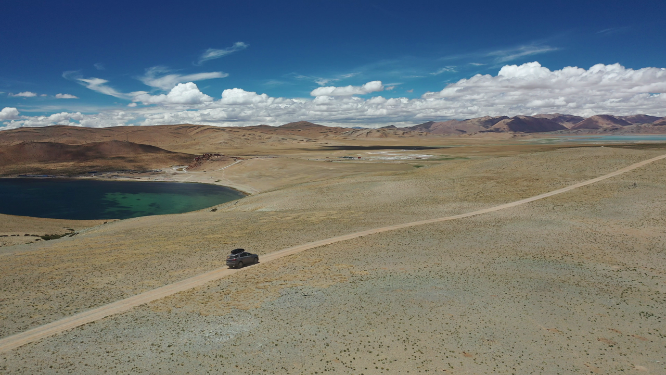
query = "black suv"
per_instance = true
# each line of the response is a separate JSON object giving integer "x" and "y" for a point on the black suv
{"x": 240, "y": 258}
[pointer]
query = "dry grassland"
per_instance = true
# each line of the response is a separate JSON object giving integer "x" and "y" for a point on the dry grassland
{"x": 571, "y": 284}
{"x": 18, "y": 230}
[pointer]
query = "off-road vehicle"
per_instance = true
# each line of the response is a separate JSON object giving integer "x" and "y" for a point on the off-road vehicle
{"x": 240, "y": 258}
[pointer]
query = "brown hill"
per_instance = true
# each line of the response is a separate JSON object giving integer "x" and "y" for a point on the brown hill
{"x": 639, "y": 119}
{"x": 458, "y": 127}
{"x": 425, "y": 127}
{"x": 567, "y": 121}
{"x": 301, "y": 125}
{"x": 304, "y": 130}
{"x": 194, "y": 139}
{"x": 527, "y": 124}
{"x": 33, "y": 157}
{"x": 45, "y": 152}
{"x": 601, "y": 122}
{"x": 57, "y": 133}
{"x": 486, "y": 122}
{"x": 74, "y": 135}
{"x": 660, "y": 122}
{"x": 447, "y": 127}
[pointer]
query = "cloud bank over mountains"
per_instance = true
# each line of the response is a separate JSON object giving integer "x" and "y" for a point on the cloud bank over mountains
{"x": 516, "y": 90}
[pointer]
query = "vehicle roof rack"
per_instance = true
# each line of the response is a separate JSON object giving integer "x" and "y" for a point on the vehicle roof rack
{"x": 237, "y": 251}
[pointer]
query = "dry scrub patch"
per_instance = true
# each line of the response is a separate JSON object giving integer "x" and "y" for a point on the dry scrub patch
{"x": 19, "y": 230}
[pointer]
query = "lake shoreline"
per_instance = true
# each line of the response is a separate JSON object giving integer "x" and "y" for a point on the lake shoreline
{"x": 89, "y": 198}
{"x": 97, "y": 178}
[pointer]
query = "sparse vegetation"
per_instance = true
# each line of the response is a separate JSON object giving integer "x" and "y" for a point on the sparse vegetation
{"x": 48, "y": 237}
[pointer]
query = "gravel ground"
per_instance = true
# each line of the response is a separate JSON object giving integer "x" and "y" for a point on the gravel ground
{"x": 570, "y": 284}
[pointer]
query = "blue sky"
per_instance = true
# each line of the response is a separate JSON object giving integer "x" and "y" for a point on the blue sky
{"x": 102, "y": 56}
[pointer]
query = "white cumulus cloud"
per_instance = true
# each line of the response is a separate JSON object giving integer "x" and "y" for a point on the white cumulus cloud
{"x": 516, "y": 89}
{"x": 348, "y": 90}
{"x": 66, "y": 96}
{"x": 182, "y": 93}
{"x": 25, "y": 94}
{"x": 212, "y": 53}
{"x": 9, "y": 113}
{"x": 241, "y": 97}
{"x": 531, "y": 87}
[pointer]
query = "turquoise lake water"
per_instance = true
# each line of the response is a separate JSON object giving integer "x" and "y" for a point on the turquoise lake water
{"x": 91, "y": 199}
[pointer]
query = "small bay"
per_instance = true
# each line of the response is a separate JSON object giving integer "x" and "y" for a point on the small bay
{"x": 78, "y": 199}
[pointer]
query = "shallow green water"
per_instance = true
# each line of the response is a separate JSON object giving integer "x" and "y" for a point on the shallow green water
{"x": 89, "y": 199}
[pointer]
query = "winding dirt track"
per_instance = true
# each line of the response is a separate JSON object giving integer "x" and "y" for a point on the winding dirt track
{"x": 19, "y": 339}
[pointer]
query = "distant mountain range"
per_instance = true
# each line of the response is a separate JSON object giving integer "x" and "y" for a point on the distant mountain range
{"x": 545, "y": 123}
{"x": 73, "y": 149}
{"x": 197, "y": 139}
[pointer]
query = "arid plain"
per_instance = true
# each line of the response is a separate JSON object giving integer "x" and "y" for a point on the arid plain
{"x": 573, "y": 283}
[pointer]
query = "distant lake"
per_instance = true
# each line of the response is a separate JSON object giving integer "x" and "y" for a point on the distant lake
{"x": 620, "y": 138}
{"x": 91, "y": 199}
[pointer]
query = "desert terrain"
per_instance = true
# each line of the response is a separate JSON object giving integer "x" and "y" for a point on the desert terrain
{"x": 572, "y": 283}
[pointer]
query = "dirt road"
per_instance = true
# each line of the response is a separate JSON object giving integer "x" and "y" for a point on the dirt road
{"x": 17, "y": 340}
